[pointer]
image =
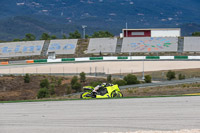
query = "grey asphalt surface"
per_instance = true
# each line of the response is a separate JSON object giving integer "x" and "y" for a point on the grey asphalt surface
{"x": 109, "y": 115}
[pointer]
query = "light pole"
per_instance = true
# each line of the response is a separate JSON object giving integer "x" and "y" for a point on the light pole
{"x": 84, "y": 26}
{"x": 126, "y": 29}
{"x": 143, "y": 71}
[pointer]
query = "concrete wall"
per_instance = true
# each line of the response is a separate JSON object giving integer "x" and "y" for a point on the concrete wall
{"x": 191, "y": 44}
{"x": 64, "y": 46}
{"x": 26, "y": 48}
{"x": 103, "y": 45}
{"x": 149, "y": 44}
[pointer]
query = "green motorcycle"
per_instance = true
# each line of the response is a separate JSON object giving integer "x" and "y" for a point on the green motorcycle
{"x": 107, "y": 91}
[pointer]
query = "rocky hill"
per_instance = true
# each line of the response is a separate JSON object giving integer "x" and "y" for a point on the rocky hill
{"x": 63, "y": 16}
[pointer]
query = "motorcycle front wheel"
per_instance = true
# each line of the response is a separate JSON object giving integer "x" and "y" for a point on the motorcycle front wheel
{"x": 85, "y": 95}
{"x": 116, "y": 94}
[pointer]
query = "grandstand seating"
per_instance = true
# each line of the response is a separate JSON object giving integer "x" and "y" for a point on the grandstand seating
{"x": 149, "y": 44}
{"x": 103, "y": 45}
{"x": 26, "y": 48}
{"x": 191, "y": 44}
{"x": 65, "y": 46}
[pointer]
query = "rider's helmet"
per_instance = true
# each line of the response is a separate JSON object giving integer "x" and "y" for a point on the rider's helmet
{"x": 103, "y": 84}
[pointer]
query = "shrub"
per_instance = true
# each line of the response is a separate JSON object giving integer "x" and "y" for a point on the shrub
{"x": 74, "y": 80}
{"x": 76, "y": 86}
{"x": 45, "y": 83}
{"x": 170, "y": 75}
{"x": 59, "y": 82}
{"x": 131, "y": 79}
{"x": 27, "y": 78}
{"x": 94, "y": 84}
{"x": 109, "y": 78}
{"x": 68, "y": 90}
{"x": 119, "y": 82}
{"x": 147, "y": 79}
{"x": 82, "y": 77}
{"x": 43, "y": 93}
{"x": 52, "y": 91}
{"x": 181, "y": 77}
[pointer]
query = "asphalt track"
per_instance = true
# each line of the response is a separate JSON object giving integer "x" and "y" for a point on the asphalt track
{"x": 110, "y": 115}
{"x": 108, "y": 67}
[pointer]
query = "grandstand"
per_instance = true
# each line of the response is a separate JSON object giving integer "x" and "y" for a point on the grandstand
{"x": 149, "y": 44}
{"x": 64, "y": 46}
{"x": 102, "y": 45}
{"x": 26, "y": 48}
{"x": 191, "y": 44}
{"x": 81, "y": 48}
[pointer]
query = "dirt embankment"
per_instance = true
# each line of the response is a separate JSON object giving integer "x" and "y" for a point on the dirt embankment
{"x": 14, "y": 88}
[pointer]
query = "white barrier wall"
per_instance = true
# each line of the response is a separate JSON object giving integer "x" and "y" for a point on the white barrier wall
{"x": 26, "y": 48}
{"x": 64, "y": 46}
{"x": 166, "y": 33}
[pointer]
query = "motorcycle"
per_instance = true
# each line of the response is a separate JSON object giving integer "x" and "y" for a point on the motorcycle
{"x": 108, "y": 91}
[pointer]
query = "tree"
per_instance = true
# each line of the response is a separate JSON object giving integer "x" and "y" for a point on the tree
{"x": 74, "y": 80}
{"x": 181, "y": 77}
{"x": 170, "y": 75}
{"x": 45, "y": 36}
{"x": 59, "y": 82}
{"x": 75, "y": 35}
{"x": 68, "y": 90}
{"x": 82, "y": 77}
{"x": 43, "y": 93}
{"x": 76, "y": 86}
{"x": 45, "y": 83}
{"x": 16, "y": 40}
{"x": 147, "y": 79}
{"x": 64, "y": 36}
{"x": 29, "y": 37}
{"x": 53, "y": 37}
{"x": 27, "y": 78}
{"x": 101, "y": 34}
{"x": 87, "y": 36}
{"x": 109, "y": 78}
{"x": 131, "y": 79}
{"x": 196, "y": 34}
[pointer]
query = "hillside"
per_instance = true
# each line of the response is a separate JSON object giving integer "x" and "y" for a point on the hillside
{"x": 61, "y": 16}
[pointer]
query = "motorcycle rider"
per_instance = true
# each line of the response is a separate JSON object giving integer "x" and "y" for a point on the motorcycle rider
{"x": 99, "y": 86}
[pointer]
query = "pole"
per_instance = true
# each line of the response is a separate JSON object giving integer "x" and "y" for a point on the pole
{"x": 83, "y": 33}
{"x": 126, "y": 29}
{"x": 63, "y": 71}
{"x": 95, "y": 71}
{"x": 143, "y": 71}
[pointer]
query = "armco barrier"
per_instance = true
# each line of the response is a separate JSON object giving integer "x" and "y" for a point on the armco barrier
{"x": 4, "y": 63}
{"x": 152, "y": 57}
{"x": 112, "y": 58}
{"x": 29, "y": 61}
{"x": 40, "y": 61}
{"x": 96, "y": 58}
{"x": 67, "y": 59}
{"x": 181, "y": 57}
{"x": 122, "y": 57}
